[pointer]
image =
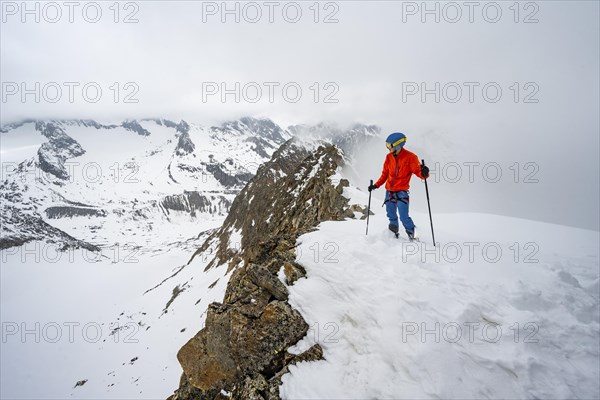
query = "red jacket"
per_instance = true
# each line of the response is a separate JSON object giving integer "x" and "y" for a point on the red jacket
{"x": 397, "y": 171}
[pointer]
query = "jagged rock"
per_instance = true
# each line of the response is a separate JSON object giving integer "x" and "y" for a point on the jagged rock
{"x": 187, "y": 391}
{"x": 289, "y": 196}
{"x": 250, "y": 299}
{"x": 233, "y": 345}
{"x": 252, "y": 388}
{"x": 182, "y": 127}
{"x": 58, "y": 149}
{"x": 169, "y": 124}
{"x": 263, "y": 278}
{"x": 357, "y": 208}
{"x": 80, "y": 383}
{"x": 193, "y": 202}
{"x": 343, "y": 183}
{"x": 364, "y": 216}
{"x": 293, "y": 272}
{"x": 274, "y": 266}
{"x": 185, "y": 144}
{"x": 260, "y": 344}
{"x": 348, "y": 213}
{"x": 265, "y": 128}
{"x": 245, "y": 340}
{"x": 314, "y": 353}
{"x": 260, "y": 146}
{"x": 229, "y": 176}
{"x": 19, "y": 228}
{"x": 88, "y": 123}
{"x": 177, "y": 290}
{"x": 68, "y": 211}
{"x": 135, "y": 126}
{"x": 207, "y": 359}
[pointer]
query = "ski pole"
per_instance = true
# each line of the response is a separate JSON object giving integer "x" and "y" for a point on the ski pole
{"x": 428, "y": 205}
{"x": 369, "y": 208}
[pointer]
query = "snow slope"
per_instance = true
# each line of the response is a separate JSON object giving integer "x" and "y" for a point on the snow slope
{"x": 404, "y": 320}
{"x": 503, "y": 308}
{"x": 114, "y": 319}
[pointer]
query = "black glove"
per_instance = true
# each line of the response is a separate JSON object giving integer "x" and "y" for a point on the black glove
{"x": 371, "y": 187}
{"x": 425, "y": 171}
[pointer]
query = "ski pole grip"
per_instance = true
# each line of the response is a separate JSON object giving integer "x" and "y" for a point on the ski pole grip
{"x": 422, "y": 161}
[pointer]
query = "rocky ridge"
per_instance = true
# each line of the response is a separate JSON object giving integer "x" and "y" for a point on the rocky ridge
{"x": 241, "y": 353}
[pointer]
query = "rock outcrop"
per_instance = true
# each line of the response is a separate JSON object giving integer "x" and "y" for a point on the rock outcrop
{"x": 241, "y": 353}
{"x": 18, "y": 227}
{"x": 290, "y": 195}
{"x": 185, "y": 144}
{"x": 135, "y": 126}
{"x": 53, "y": 154}
{"x": 70, "y": 211}
{"x": 194, "y": 202}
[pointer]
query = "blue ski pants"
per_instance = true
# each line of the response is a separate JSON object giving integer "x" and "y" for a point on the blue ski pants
{"x": 396, "y": 203}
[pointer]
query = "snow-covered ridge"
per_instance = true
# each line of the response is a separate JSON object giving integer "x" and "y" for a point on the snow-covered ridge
{"x": 246, "y": 336}
{"x": 117, "y": 233}
{"x": 501, "y": 308}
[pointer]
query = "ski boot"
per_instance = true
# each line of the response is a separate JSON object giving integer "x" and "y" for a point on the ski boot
{"x": 394, "y": 228}
{"x": 411, "y": 235}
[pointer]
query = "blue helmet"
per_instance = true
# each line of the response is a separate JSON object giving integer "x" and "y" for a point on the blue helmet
{"x": 395, "y": 141}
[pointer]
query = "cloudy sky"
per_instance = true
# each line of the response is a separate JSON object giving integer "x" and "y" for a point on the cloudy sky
{"x": 484, "y": 82}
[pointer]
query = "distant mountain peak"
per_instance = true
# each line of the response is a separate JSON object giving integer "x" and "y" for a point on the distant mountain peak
{"x": 135, "y": 126}
{"x": 54, "y": 153}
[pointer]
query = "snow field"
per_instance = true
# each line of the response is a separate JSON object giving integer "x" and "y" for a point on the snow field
{"x": 396, "y": 322}
{"x": 96, "y": 320}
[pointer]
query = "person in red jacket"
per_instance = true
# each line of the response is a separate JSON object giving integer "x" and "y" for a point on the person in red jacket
{"x": 398, "y": 167}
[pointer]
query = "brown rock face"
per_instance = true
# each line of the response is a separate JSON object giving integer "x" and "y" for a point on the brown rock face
{"x": 242, "y": 349}
{"x": 289, "y": 196}
{"x": 293, "y": 272}
{"x": 234, "y": 345}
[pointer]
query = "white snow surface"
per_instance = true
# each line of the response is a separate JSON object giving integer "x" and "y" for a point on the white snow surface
{"x": 60, "y": 312}
{"x": 397, "y": 323}
{"x": 386, "y": 312}
{"x": 114, "y": 320}
{"x": 235, "y": 240}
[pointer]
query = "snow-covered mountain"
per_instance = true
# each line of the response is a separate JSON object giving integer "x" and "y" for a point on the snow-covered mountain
{"x": 117, "y": 208}
{"x": 148, "y": 257}
{"x": 139, "y": 175}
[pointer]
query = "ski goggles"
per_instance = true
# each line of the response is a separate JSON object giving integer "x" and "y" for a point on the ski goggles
{"x": 392, "y": 145}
